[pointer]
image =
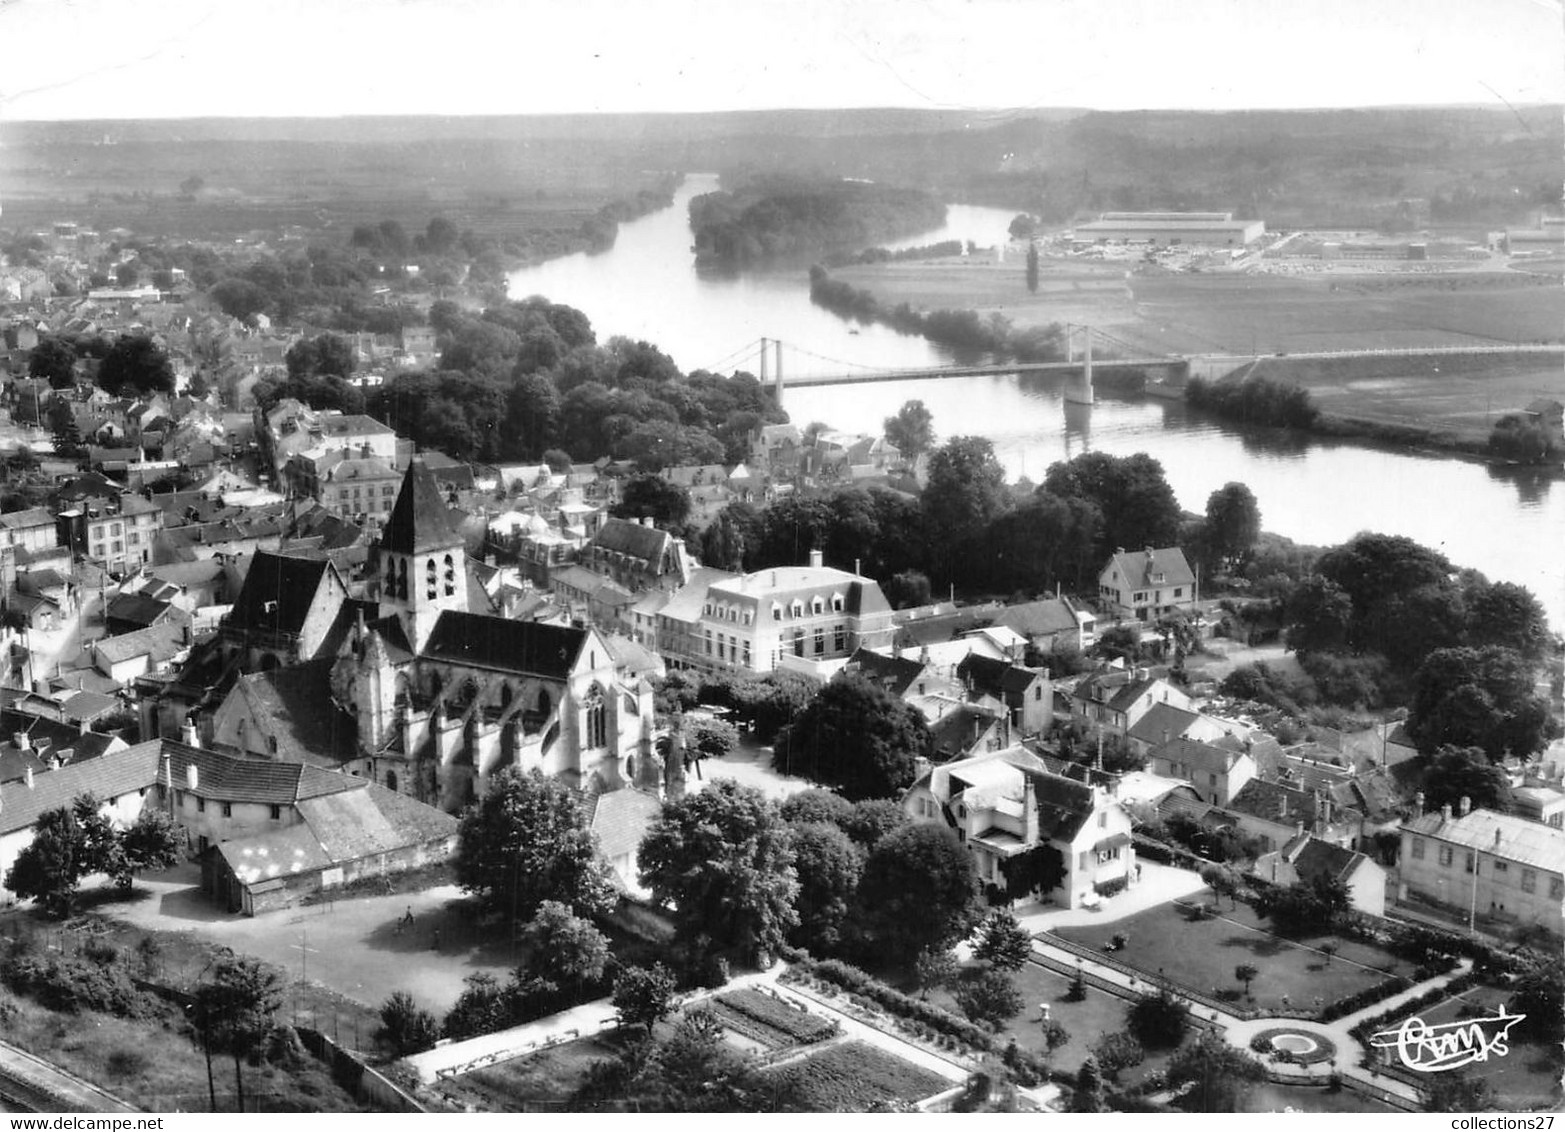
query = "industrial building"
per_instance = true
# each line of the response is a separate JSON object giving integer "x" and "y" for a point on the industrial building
{"x": 1212, "y": 229}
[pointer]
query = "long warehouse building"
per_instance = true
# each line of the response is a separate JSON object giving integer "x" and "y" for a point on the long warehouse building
{"x": 1216, "y": 229}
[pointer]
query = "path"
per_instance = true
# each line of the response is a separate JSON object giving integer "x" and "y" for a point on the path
{"x": 1159, "y": 884}
{"x": 49, "y": 1088}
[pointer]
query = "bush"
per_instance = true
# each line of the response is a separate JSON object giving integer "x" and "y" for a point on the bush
{"x": 406, "y": 1028}
{"x": 101, "y": 951}
{"x": 867, "y": 990}
{"x": 1111, "y": 887}
{"x": 1158, "y": 1020}
{"x": 1351, "y": 1004}
{"x": 988, "y": 997}
{"x": 126, "y": 1063}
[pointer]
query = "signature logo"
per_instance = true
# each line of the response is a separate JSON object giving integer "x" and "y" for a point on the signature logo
{"x": 1435, "y": 1049}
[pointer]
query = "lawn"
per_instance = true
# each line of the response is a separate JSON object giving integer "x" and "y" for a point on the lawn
{"x": 1528, "y": 1077}
{"x": 852, "y": 1077}
{"x": 1201, "y": 956}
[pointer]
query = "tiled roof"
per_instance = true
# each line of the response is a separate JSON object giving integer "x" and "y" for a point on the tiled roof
{"x": 895, "y": 674}
{"x": 1208, "y": 757}
{"x": 228, "y": 778}
{"x": 160, "y": 642}
{"x": 278, "y": 593}
{"x": 1317, "y": 858}
{"x": 621, "y": 818}
{"x": 1512, "y": 838}
{"x": 358, "y": 823}
{"x": 1140, "y": 566}
{"x": 1277, "y": 802}
{"x": 1063, "y": 805}
{"x": 107, "y": 776}
{"x": 1162, "y": 723}
{"x": 625, "y": 536}
{"x": 297, "y": 709}
{"x": 1039, "y": 618}
{"x": 996, "y": 677}
{"x": 505, "y": 646}
{"x": 419, "y": 519}
{"x": 138, "y": 609}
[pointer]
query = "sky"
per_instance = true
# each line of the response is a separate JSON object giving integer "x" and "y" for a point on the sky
{"x": 67, "y": 59}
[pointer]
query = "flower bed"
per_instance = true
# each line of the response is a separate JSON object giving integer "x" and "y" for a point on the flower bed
{"x": 853, "y": 1077}
{"x": 918, "y": 1014}
{"x": 1324, "y": 1049}
{"x": 799, "y": 1026}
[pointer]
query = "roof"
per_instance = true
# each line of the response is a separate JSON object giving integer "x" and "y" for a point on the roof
{"x": 1063, "y": 805}
{"x": 781, "y": 586}
{"x": 996, "y": 677}
{"x": 160, "y": 642}
{"x": 1161, "y": 723}
{"x": 895, "y": 674}
{"x": 358, "y": 823}
{"x": 278, "y": 592}
{"x": 1311, "y": 858}
{"x": 137, "y": 609}
{"x": 620, "y": 819}
{"x": 1512, "y": 838}
{"x": 625, "y": 536}
{"x": 1276, "y": 802}
{"x": 230, "y": 778}
{"x": 1140, "y": 567}
{"x": 1039, "y": 618}
{"x": 527, "y": 647}
{"x": 108, "y": 776}
{"x": 419, "y": 519}
{"x": 296, "y": 707}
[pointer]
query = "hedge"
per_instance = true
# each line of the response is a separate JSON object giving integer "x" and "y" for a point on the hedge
{"x": 1456, "y": 986}
{"x": 1353, "y": 1003}
{"x": 866, "y": 986}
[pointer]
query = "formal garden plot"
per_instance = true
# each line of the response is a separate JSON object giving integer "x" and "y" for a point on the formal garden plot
{"x": 1202, "y": 956}
{"x": 543, "y": 1081}
{"x": 773, "y": 1023}
{"x": 1528, "y": 1077}
{"x": 852, "y": 1077}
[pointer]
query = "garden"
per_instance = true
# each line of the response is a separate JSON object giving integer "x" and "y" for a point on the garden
{"x": 1205, "y": 955}
{"x": 854, "y": 1077}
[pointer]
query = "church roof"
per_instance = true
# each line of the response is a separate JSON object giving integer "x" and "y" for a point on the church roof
{"x": 278, "y": 593}
{"x": 506, "y": 646}
{"x": 419, "y": 519}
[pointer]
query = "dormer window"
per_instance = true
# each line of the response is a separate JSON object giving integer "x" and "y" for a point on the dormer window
{"x": 816, "y": 606}
{"x": 836, "y": 603}
{"x": 776, "y": 613}
{"x": 797, "y": 609}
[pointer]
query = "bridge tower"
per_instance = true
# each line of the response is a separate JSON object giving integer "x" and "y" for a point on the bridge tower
{"x": 1078, "y": 390}
{"x": 777, "y": 376}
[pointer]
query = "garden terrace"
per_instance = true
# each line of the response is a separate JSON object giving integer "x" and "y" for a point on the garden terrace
{"x": 1199, "y": 957}
{"x": 1526, "y": 1078}
{"x": 769, "y": 1020}
{"x": 853, "y": 1077}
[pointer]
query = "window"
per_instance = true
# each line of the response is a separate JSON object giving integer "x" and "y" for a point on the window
{"x": 1445, "y": 856}
{"x": 277, "y": 813}
{"x": 1211, "y": 780}
{"x": 200, "y": 805}
{"x": 1138, "y": 597}
{"x": 1037, "y": 693}
{"x": 836, "y": 603}
{"x": 1103, "y": 820}
{"x": 820, "y": 641}
{"x": 709, "y": 642}
{"x": 431, "y": 579}
{"x": 119, "y": 547}
{"x": 747, "y": 654}
{"x": 597, "y": 719}
{"x": 1467, "y": 865}
{"x": 1179, "y": 591}
{"x": 450, "y": 576}
{"x": 1556, "y": 887}
{"x": 228, "y": 809}
{"x": 776, "y": 613}
{"x": 1418, "y": 848}
{"x": 816, "y": 606}
{"x": 1529, "y": 880}
{"x": 839, "y": 638}
{"x": 1501, "y": 867}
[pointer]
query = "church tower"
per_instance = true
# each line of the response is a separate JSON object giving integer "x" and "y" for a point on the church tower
{"x": 419, "y": 561}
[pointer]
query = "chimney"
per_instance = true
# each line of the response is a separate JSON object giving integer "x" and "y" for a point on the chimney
{"x": 27, "y": 777}
{"x": 19, "y": 741}
{"x": 1463, "y": 806}
{"x": 816, "y": 559}
{"x": 1418, "y": 802}
{"x": 1445, "y": 812}
{"x": 1496, "y": 837}
{"x": 1029, "y": 811}
{"x": 192, "y": 777}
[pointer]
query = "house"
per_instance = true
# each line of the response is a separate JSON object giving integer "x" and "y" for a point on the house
{"x": 1050, "y": 625}
{"x": 288, "y": 714}
{"x": 1146, "y": 584}
{"x": 286, "y": 610}
{"x": 1485, "y": 864}
{"x": 1027, "y": 693}
{"x": 638, "y": 556}
{"x": 128, "y": 612}
{"x": 1217, "y": 771}
{"x": 1305, "y": 859}
{"x": 127, "y": 656}
{"x": 1164, "y": 722}
{"x": 1116, "y": 699}
{"x": 32, "y": 529}
{"x": 1005, "y": 804}
{"x": 1539, "y": 803}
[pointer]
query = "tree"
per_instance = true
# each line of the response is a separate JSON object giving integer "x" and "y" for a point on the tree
{"x": 1245, "y": 973}
{"x": 1452, "y": 773}
{"x": 1088, "y": 1094}
{"x": 643, "y": 997}
{"x": 1305, "y": 909}
{"x": 136, "y": 364}
{"x": 483, "y": 1007}
{"x": 869, "y": 821}
{"x": 526, "y": 841}
{"x": 1218, "y": 1072}
{"x": 816, "y": 805}
{"x": 151, "y": 844}
{"x": 1320, "y": 616}
{"x": 1158, "y": 1020}
{"x": 710, "y": 738}
{"x": 1032, "y": 268}
{"x": 406, "y": 1027}
{"x": 653, "y": 497}
{"x": 1539, "y": 993}
{"x": 239, "y": 298}
{"x": 1036, "y": 870}
{"x": 1509, "y": 616}
{"x": 49, "y": 869}
{"x": 53, "y": 360}
{"x": 564, "y": 949}
{"x": 1117, "y": 1052}
{"x": 1233, "y": 523}
{"x": 1002, "y": 942}
{"x": 1457, "y": 1092}
{"x": 918, "y": 891}
{"x": 912, "y": 430}
{"x": 1328, "y": 949}
{"x": 965, "y": 493}
{"x": 907, "y": 589}
{"x": 126, "y": 274}
{"x": 1137, "y": 506}
{"x": 237, "y": 1008}
{"x": 1481, "y": 697}
{"x": 934, "y": 967}
{"x": 856, "y": 737}
{"x": 828, "y": 866}
{"x": 1222, "y": 881}
{"x": 988, "y": 997}
{"x": 723, "y": 859}
{"x": 533, "y": 414}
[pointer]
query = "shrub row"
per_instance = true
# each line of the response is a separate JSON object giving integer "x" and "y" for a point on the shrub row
{"x": 858, "y": 982}
{"x": 1456, "y": 986}
{"x": 1351, "y": 1004}
{"x": 1111, "y": 887}
{"x": 70, "y": 984}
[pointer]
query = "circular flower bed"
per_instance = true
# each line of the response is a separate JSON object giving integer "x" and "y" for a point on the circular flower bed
{"x": 1295, "y": 1046}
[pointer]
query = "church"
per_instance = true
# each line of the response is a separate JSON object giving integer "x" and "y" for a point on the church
{"x": 430, "y": 699}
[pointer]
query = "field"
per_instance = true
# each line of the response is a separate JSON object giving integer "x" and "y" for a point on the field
{"x": 853, "y": 1076}
{"x": 1163, "y": 314}
{"x": 1201, "y": 956}
{"x": 1528, "y": 1077}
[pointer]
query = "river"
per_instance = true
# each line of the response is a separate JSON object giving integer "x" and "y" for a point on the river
{"x": 1510, "y": 526}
